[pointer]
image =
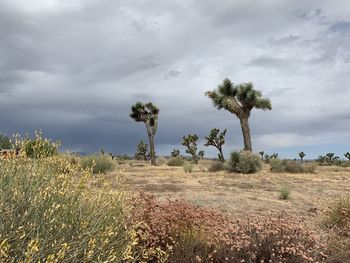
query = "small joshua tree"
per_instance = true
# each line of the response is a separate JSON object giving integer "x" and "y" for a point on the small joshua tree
{"x": 302, "y": 155}
{"x": 175, "y": 153}
{"x": 141, "y": 151}
{"x": 267, "y": 158}
{"x": 216, "y": 139}
{"x": 329, "y": 157}
{"x": 347, "y": 155}
{"x": 274, "y": 156}
{"x": 239, "y": 100}
{"x": 190, "y": 141}
{"x": 201, "y": 154}
{"x": 148, "y": 114}
{"x": 262, "y": 155}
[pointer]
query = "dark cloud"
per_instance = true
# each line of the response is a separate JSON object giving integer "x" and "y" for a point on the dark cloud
{"x": 73, "y": 68}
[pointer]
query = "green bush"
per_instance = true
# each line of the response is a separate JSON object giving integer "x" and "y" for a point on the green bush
{"x": 175, "y": 161}
{"x": 244, "y": 162}
{"x": 39, "y": 147}
{"x": 284, "y": 193}
{"x": 188, "y": 167}
{"x": 49, "y": 216}
{"x": 216, "y": 166}
{"x": 288, "y": 166}
{"x": 97, "y": 163}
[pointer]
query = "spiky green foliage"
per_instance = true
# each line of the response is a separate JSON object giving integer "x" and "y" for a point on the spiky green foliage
{"x": 217, "y": 140}
{"x": 201, "y": 154}
{"x": 5, "y": 142}
{"x": 240, "y": 100}
{"x": 347, "y": 155}
{"x": 141, "y": 151}
{"x": 302, "y": 155}
{"x": 175, "y": 153}
{"x": 267, "y": 158}
{"x": 148, "y": 114}
{"x": 190, "y": 141}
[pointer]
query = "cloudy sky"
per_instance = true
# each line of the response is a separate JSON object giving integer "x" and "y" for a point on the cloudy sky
{"x": 73, "y": 68}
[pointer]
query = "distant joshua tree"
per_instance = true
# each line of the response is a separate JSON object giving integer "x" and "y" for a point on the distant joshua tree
{"x": 240, "y": 100}
{"x": 201, "y": 154}
{"x": 175, "y": 153}
{"x": 190, "y": 141}
{"x": 148, "y": 114}
{"x": 329, "y": 157}
{"x": 274, "y": 156}
{"x": 347, "y": 155}
{"x": 302, "y": 155}
{"x": 262, "y": 155}
{"x": 216, "y": 139}
{"x": 267, "y": 158}
{"x": 141, "y": 151}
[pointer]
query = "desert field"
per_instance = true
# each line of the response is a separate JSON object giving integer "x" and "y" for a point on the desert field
{"x": 240, "y": 195}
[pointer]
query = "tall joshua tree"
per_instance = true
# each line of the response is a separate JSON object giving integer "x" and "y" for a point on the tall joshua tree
{"x": 239, "y": 100}
{"x": 148, "y": 114}
{"x": 302, "y": 155}
{"x": 216, "y": 139}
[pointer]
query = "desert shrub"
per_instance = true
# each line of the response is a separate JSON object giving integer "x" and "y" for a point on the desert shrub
{"x": 244, "y": 162}
{"x": 50, "y": 216}
{"x": 337, "y": 221}
{"x": 175, "y": 161}
{"x": 284, "y": 192}
{"x": 188, "y": 233}
{"x": 216, "y": 166}
{"x": 39, "y": 147}
{"x": 188, "y": 167}
{"x": 161, "y": 160}
{"x": 288, "y": 166}
{"x": 97, "y": 163}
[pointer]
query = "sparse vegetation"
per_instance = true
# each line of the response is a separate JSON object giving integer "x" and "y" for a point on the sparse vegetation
{"x": 217, "y": 140}
{"x": 289, "y": 166}
{"x": 244, "y": 162}
{"x": 97, "y": 163}
{"x": 161, "y": 160}
{"x": 148, "y": 114}
{"x": 141, "y": 151}
{"x": 216, "y": 167}
{"x": 175, "y": 161}
{"x": 239, "y": 100}
{"x": 188, "y": 167}
{"x": 5, "y": 142}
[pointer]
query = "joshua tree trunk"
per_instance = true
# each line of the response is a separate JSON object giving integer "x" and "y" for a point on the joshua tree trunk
{"x": 151, "y": 144}
{"x": 246, "y": 133}
{"x": 221, "y": 156}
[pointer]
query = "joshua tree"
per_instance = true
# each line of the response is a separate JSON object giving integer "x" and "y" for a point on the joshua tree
{"x": 347, "y": 155}
{"x": 262, "y": 155}
{"x": 329, "y": 157}
{"x": 302, "y": 155}
{"x": 141, "y": 151}
{"x": 216, "y": 139}
{"x": 148, "y": 114}
{"x": 201, "y": 154}
{"x": 240, "y": 100}
{"x": 175, "y": 153}
{"x": 190, "y": 141}
{"x": 267, "y": 158}
{"x": 274, "y": 156}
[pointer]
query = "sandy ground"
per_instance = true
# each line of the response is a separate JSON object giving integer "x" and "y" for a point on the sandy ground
{"x": 238, "y": 194}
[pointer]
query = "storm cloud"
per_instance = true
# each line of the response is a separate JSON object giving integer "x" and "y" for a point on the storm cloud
{"x": 73, "y": 68}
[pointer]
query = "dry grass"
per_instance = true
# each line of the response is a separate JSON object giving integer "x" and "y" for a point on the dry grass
{"x": 239, "y": 194}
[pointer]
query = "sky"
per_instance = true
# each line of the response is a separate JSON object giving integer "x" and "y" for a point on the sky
{"x": 73, "y": 68}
